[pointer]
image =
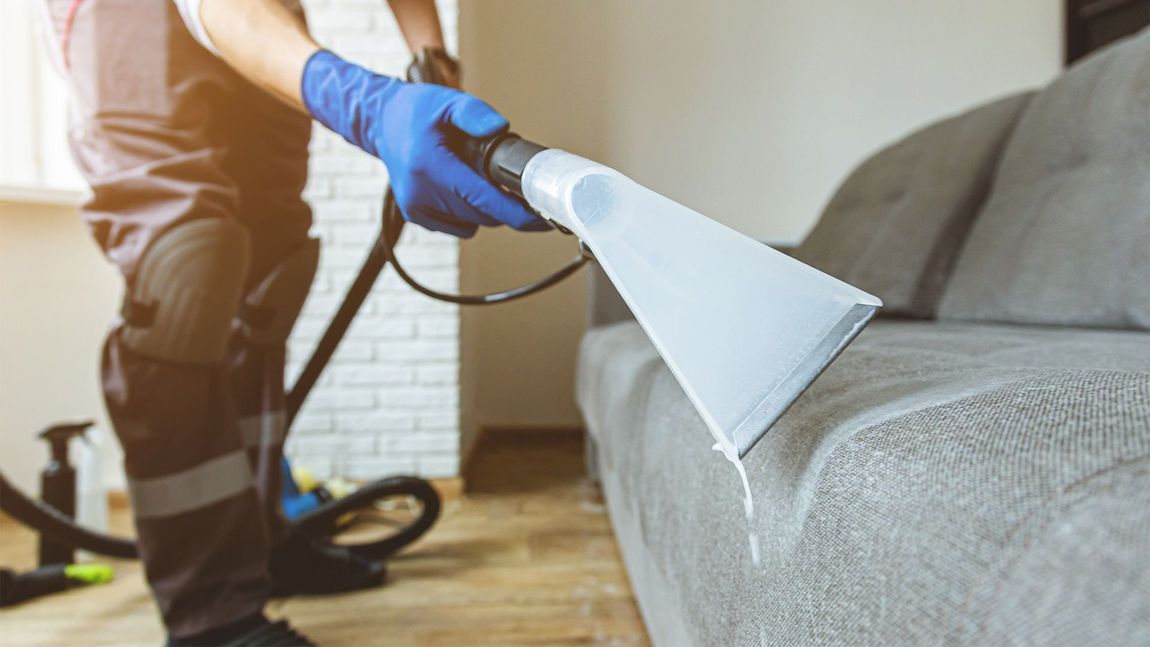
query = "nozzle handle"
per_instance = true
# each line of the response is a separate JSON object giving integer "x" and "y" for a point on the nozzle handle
{"x": 501, "y": 159}
{"x": 423, "y": 69}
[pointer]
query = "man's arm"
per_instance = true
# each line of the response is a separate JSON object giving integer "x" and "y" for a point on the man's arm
{"x": 242, "y": 30}
{"x": 419, "y": 22}
{"x": 411, "y": 127}
{"x": 263, "y": 41}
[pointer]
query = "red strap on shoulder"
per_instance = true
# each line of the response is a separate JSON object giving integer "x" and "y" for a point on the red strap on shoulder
{"x": 67, "y": 35}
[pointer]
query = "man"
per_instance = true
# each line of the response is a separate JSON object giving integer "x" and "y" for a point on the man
{"x": 192, "y": 128}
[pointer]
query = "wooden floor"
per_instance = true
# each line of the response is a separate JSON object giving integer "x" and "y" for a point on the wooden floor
{"x": 526, "y": 557}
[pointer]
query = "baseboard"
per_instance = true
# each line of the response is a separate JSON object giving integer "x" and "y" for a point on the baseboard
{"x": 504, "y": 431}
{"x": 467, "y": 454}
{"x": 449, "y": 489}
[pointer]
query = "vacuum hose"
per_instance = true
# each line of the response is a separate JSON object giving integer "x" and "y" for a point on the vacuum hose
{"x": 59, "y": 527}
{"x": 501, "y": 159}
{"x": 317, "y": 523}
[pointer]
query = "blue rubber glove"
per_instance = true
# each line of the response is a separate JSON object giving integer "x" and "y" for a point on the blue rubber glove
{"x": 408, "y": 126}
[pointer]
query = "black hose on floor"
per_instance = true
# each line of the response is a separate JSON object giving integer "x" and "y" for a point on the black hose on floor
{"x": 318, "y": 523}
{"x": 59, "y": 527}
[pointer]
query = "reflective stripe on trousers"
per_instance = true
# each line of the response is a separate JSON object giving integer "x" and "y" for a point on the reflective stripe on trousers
{"x": 197, "y": 487}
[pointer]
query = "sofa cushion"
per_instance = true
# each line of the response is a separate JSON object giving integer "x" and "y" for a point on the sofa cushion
{"x": 1064, "y": 238}
{"x": 941, "y": 483}
{"x": 897, "y": 223}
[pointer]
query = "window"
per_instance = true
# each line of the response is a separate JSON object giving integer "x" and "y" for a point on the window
{"x": 33, "y": 111}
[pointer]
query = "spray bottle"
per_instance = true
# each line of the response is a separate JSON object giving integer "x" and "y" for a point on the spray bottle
{"x": 58, "y": 486}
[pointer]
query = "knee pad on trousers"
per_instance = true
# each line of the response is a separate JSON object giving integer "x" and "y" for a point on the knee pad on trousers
{"x": 187, "y": 292}
{"x": 271, "y": 308}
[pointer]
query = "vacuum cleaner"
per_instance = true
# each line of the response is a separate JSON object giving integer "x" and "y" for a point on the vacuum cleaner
{"x": 744, "y": 328}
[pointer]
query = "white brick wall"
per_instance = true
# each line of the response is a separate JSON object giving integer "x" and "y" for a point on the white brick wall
{"x": 389, "y": 401}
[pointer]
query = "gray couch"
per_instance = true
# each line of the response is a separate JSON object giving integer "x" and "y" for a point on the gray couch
{"x": 975, "y": 468}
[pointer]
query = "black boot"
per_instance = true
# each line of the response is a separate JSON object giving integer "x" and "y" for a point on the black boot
{"x": 305, "y": 566}
{"x": 252, "y": 631}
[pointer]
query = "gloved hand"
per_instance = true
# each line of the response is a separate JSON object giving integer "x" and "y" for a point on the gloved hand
{"x": 408, "y": 126}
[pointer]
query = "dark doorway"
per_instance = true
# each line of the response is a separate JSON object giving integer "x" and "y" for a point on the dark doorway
{"x": 1091, "y": 24}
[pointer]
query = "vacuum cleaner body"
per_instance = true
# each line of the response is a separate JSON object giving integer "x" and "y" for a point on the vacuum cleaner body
{"x": 744, "y": 328}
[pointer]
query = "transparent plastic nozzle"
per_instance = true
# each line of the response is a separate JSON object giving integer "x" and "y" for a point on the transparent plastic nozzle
{"x": 744, "y": 328}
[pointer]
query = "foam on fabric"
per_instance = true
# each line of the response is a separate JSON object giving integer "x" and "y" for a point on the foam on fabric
{"x": 732, "y": 455}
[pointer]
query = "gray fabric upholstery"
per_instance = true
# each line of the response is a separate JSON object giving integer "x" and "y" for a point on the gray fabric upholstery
{"x": 604, "y": 304}
{"x": 941, "y": 483}
{"x": 1065, "y": 236}
{"x": 896, "y": 225}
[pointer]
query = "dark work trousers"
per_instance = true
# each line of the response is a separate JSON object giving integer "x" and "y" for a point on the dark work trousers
{"x": 166, "y": 133}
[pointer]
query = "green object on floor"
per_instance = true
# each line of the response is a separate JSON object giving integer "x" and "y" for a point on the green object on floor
{"x": 89, "y": 573}
{"x": 22, "y": 587}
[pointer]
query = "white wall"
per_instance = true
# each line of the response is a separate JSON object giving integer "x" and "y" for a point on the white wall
{"x": 57, "y": 295}
{"x": 389, "y": 402}
{"x": 538, "y": 63}
{"x": 752, "y": 112}
{"x": 749, "y": 111}
{"x": 34, "y": 150}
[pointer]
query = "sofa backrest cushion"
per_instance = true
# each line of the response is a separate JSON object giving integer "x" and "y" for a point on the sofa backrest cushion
{"x": 896, "y": 224}
{"x": 1064, "y": 238}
